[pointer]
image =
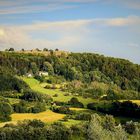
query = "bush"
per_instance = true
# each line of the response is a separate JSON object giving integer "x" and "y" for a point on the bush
{"x": 91, "y": 106}
{"x": 58, "y": 103}
{"x": 36, "y": 123}
{"x": 130, "y": 127}
{"x": 8, "y": 82}
{"x": 30, "y": 95}
{"x": 80, "y": 130}
{"x": 2, "y": 99}
{"x": 83, "y": 116}
{"x": 55, "y": 95}
{"x": 75, "y": 103}
{"x": 20, "y": 107}
{"x": 97, "y": 130}
{"x": 39, "y": 107}
{"x": 39, "y": 78}
{"x": 5, "y": 111}
{"x": 126, "y": 108}
{"x": 66, "y": 94}
{"x": 24, "y": 107}
{"x": 62, "y": 109}
{"x": 35, "y": 130}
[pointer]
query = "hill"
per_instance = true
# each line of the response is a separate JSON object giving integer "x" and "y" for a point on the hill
{"x": 60, "y": 93}
{"x": 85, "y": 67}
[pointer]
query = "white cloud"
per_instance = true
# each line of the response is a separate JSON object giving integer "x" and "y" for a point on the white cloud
{"x": 82, "y": 24}
{"x": 59, "y": 34}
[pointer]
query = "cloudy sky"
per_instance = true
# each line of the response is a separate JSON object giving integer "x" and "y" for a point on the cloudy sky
{"x": 109, "y": 27}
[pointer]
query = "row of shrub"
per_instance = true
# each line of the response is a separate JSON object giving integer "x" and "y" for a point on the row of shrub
{"x": 30, "y": 95}
{"x": 35, "y": 130}
{"x": 6, "y": 109}
{"x": 23, "y": 107}
{"x": 126, "y": 108}
{"x": 73, "y": 102}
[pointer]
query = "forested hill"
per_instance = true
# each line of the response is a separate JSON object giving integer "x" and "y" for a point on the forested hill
{"x": 86, "y": 67}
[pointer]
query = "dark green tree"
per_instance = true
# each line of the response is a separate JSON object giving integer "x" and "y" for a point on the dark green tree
{"x": 48, "y": 68}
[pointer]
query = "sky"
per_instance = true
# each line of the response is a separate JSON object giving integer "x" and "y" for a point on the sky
{"x": 108, "y": 27}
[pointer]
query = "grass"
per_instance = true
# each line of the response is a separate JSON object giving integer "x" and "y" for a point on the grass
{"x": 71, "y": 122}
{"x": 36, "y": 86}
{"x": 78, "y": 109}
{"x": 46, "y": 116}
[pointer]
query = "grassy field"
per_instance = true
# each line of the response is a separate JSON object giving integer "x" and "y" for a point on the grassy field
{"x": 47, "y": 116}
{"x": 78, "y": 109}
{"x": 36, "y": 86}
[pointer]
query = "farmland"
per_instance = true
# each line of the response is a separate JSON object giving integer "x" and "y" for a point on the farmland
{"x": 46, "y": 116}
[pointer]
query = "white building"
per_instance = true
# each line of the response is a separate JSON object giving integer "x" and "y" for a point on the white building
{"x": 29, "y": 75}
{"x": 42, "y": 73}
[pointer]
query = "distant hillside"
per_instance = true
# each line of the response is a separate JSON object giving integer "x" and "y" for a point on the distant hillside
{"x": 86, "y": 67}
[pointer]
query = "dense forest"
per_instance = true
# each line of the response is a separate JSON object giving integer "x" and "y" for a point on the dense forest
{"x": 85, "y": 67}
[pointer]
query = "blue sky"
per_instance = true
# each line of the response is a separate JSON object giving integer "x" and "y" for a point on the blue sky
{"x": 109, "y": 27}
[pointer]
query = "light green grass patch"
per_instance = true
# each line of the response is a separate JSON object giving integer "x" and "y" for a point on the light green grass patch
{"x": 37, "y": 86}
{"x": 71, "y": 122}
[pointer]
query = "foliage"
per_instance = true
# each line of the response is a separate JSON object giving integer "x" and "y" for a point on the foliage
{"x": 62, "y": 109}
{"x": 75, "y": 103}
{"x": 40, "y": 78}
{"x": 85, "y": 67}
{"x": 9, "y": 82}
{"x": 20, "y": 107}
{"x": 30, "y": 95}
{"x": 83, "y": 116}
{"x": 29, "y": 130}
{"x": 126, "y": 108}
{"x": 38, "y": 107}
{"x": 5, "y": 111}
{"x": 34, "y": 68}
{"x": 48, "y": 67}
{"x": 99, "y": 131}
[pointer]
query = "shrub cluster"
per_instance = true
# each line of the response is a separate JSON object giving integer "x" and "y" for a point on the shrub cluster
{"x": 30, "y": 95}
{"x": 126, "y": 108}
{"x": 35, "y": 130}
{"x": 5, "y": 111}
{"x": 62, "y": 109}
{"x": 23, "y": 107}
{"x": 74, "y": 102}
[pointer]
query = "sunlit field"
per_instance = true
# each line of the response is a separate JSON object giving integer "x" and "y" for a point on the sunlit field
{"x": 47, "y": 117}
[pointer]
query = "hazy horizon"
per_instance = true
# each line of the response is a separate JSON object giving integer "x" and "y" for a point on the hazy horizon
{"x": 100, "y": 26}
